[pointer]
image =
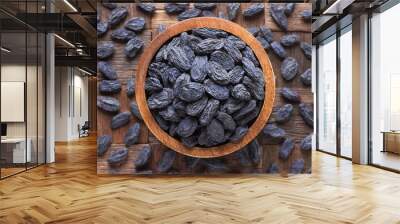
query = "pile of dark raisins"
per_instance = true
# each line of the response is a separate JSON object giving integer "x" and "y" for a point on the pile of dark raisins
{"x": 205, "y": 87}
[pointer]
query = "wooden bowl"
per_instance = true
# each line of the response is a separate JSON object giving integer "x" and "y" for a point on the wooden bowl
{"x": 186, "y": 25}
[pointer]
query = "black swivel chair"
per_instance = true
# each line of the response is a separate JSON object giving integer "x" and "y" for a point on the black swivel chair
{"x": 84, "y": 130}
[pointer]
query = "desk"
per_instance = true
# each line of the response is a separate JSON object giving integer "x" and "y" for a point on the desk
{"x": 16, "y": 147}
{"x": 391, "y": 141}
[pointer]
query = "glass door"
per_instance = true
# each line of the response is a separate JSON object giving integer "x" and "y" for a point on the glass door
{"x": 14, "y": 155}
{"x": 334, "y": 93}
{"x": 22, "y": 89}
{"x": 41, "y": 96}
{"x": 384, "y": 113}
{"x": 345, "y": 92}
{"x": 32, "y": 99}
{"x": 326, "y": 56}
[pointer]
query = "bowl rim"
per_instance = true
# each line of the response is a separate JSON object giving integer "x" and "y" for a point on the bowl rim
{"x": 213, "y": 23}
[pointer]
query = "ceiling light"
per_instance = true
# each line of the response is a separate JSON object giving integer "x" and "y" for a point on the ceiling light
{"x": 5, "y": 50}
{"x": 65, "y": 41}
{"x": 70, "y": 5}
{"x": 79, "y": 51}
{"x": 337, "y": 7}
{"x": 84, "y": 71}
{"x": 330, "y": 8}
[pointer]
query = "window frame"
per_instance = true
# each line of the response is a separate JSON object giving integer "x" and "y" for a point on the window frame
{"x": 342, "y": 26}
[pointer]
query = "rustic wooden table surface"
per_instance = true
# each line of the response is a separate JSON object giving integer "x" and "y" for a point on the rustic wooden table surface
{"x": 295, "y": 128}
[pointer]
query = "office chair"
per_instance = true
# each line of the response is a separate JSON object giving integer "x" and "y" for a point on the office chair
{"x": 84, "y": 130}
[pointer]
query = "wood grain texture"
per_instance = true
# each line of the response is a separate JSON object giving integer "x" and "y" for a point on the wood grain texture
{"x": 187, "y": 25}
{"x": 296, "y": 23}
{"x": 70, "y": 191}
{"x": 295, "y": 128}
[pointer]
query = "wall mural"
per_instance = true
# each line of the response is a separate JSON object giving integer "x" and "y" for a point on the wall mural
{"x": 204, "y": 88}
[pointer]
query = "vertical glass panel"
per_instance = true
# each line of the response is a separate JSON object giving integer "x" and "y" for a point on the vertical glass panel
{"x": 31, "y": 87}
{"x": 41, "y": 99}
{"x": 385, "y": 89}
{"x": 31, "y": 99}
{"x": 22, "y": 87}
{"x": 327, "y": 96}
{"x": 346, "y": 93}
{"x": 13, "y": 85}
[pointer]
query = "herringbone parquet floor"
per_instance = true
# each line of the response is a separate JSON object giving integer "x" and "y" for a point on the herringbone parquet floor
{"x": 69, "y": 191}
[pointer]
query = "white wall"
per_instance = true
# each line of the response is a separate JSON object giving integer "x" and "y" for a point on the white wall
{"x": 12, "y": 73}
{"x": 16, "y": 73}
{"x": 61, "y": 104}
{"x": 80, "y": 97}
{"x": 33, "y": 126}
{"x": 71, "y": 93}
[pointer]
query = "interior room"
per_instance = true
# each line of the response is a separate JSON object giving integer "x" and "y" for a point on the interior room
{"x": 334, "y": 56}
{"x": 75, "y": 78}
{"x": 72, "y": 112}
{"x": 25, "y": 67}
{"x": 22, "y": 98}
{"x": 385, "y": 86}
{"x": 115, "y": 111}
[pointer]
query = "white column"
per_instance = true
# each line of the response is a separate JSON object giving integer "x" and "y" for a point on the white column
{"x": 360, "y": 90}
{"x": 50, "y": 94}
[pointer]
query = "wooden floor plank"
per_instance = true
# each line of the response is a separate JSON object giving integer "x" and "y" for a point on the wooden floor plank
{"x": 69, "y": 191}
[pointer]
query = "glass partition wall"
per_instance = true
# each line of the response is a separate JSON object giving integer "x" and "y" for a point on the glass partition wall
{"x": 327, "y": 95}
{"x": 334, "y": 94}
{"x": 345, "y": 92}
{"x": 22, "y": 77}
{"x": 385, "y": 89}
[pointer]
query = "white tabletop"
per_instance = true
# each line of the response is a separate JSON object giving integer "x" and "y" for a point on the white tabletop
{"x": 12, "y": 140}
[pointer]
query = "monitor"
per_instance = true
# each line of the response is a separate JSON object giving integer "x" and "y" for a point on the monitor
{"x": 3, "y": 129}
